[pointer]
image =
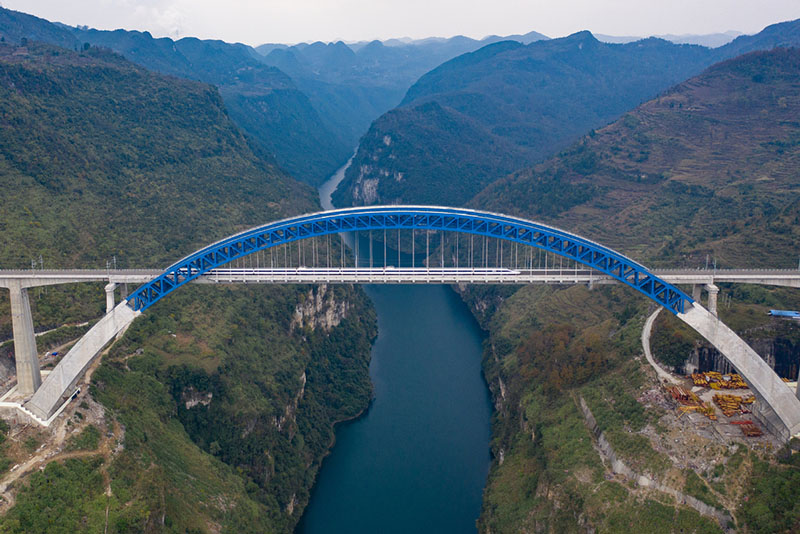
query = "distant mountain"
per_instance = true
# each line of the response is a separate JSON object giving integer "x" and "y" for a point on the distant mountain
{"x": 278, "y": 118}
{"x": 266, "y": 48}
{"x": 528, "y": 38}
{"x": 263, "y": 101}
{"x": 785, "y": 34}
{"x": 711, "y": 40}
{"x": 487, "y": 113}
{"x": 308, "y": 121}
{"x": 354, "y": 84}
{"x": 617, "y": 39}
{"x": 16, "y": 26}
{"x": 402, "y": 42}
{"x": 708, "y": 167}
{"x": 506, "y": 106}
{"x": 348, "y": 95}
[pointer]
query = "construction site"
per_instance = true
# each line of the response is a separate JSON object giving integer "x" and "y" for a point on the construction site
{"x": 714, "y": 394}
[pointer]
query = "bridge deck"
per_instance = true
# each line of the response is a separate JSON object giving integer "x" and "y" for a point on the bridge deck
{"x": 395, "y": 275}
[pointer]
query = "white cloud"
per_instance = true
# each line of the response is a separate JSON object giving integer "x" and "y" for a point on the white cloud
{"x": 163, "y": 20}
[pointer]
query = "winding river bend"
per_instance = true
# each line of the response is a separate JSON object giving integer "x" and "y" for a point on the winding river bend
{"x": 417, "y": 460}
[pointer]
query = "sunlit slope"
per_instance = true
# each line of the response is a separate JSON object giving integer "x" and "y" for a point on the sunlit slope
{"x": 708, "y": 167}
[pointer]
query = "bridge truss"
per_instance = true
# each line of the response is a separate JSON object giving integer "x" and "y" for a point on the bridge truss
{"x": 278, "y": 237}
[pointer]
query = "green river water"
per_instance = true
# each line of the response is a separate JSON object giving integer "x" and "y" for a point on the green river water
{"x": 417, "y": 460}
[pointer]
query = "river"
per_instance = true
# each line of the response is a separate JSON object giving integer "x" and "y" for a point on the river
{"x": 417, "y": 461}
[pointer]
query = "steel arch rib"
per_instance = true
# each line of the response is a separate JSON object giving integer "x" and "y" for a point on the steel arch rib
{"x": 474, "y": 222}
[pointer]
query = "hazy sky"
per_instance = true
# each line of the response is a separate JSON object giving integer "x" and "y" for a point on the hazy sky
{"x": 289, "y": 21}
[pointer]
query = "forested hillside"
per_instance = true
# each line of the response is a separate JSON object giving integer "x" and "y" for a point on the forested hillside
{"x": 708, "y": 167}
{"x": 265, "y": 103}
{"x": 102, "y": 158}
{"x": 223, "y": 399}
{"x": 506, "y": 106}
{"x": 16, "y": 26}
{"x": 278, "y": 118}
{"x": 308, "y": 115}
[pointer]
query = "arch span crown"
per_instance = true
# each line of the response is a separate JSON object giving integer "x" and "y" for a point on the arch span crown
{"x": 473, "y": 222}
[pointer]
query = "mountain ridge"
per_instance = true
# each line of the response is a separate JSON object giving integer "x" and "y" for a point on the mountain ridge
{"x": 540, "y": 97}
{"x": 280, "y": 121}
{"x": 373, "y": 74}
{"x": 262, "y": 99}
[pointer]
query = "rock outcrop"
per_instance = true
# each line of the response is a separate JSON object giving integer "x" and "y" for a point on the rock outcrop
{"x": 320, "y": 309}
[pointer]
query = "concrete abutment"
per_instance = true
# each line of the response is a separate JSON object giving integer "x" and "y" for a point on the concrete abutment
{"x": 62, "y": 379}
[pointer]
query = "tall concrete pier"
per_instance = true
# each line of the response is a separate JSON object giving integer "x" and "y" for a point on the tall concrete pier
{"x": 29, "y": 378}
{"x": 713, "y": 292}
{"x": 110, "y": 287}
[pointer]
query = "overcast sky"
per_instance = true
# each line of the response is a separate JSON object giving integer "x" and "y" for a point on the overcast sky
{"x": 289, "y": 21}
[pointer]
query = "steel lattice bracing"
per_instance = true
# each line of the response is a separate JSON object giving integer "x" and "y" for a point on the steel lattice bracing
{"x": 473, "y": 222}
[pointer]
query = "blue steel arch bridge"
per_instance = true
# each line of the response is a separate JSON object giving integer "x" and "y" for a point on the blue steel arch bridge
{"x": 415, "y": 218}
{"x": 470, "y": 246}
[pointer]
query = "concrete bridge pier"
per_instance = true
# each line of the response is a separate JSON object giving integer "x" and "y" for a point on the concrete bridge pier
{"x": 713, "y": 291}
{"x": 110, "y": 287}
{"x": 29, "y": 377}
